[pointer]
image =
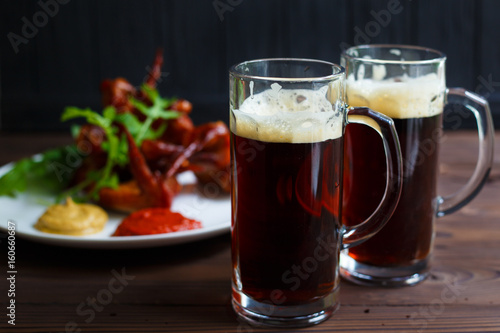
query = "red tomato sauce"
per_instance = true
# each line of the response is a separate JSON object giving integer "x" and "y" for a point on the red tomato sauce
{"x": 151, "y": 221}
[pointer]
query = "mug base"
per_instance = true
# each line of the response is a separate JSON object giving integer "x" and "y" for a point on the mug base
{"x": 263, "y": 314}
{"x": 376, "y": 276}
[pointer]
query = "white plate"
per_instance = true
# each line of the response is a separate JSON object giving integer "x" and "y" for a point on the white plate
{"x": 214, "y": 214}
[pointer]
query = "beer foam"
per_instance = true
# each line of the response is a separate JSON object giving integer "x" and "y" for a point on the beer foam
{"x": 288, "y": 115}
{"x": 402, "y": 97}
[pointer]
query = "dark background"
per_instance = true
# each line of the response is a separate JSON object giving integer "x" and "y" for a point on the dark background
{"x": 78, "y": 43}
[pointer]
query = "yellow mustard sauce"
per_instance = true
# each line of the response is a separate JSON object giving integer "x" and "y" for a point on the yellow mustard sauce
{"x": 72, "y": 219}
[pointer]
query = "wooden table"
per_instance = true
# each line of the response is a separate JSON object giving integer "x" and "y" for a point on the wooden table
{"x": 186, "y": 288}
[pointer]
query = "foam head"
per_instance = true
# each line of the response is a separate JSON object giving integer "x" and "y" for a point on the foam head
{"x": 288, "y": 115}
{"x": 402, "y": 97}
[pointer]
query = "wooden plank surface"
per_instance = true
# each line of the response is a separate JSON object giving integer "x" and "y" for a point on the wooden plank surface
{"x": 186, "y": 288}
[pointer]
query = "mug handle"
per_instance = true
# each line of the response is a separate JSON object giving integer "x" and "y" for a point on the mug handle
{"x": 471, "y": 101}
{"x": 354, "y": 235}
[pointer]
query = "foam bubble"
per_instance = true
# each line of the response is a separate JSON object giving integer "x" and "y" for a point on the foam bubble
{"x": 288, "y": 115}
{"x": 401, "y": 97}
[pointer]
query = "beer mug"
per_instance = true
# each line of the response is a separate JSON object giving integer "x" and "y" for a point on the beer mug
{"x": 287, "y": 119}
{"x": 406, "y": 83}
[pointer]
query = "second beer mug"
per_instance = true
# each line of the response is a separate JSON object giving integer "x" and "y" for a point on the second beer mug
{"x": 287, "y": 119}
{"x": 408, "y": 84}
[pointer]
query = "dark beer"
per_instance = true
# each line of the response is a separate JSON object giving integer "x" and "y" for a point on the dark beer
{"x": 407, "y": 237}
{"x": 286, "y": 218}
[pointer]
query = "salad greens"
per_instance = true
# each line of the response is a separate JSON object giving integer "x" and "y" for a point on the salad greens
{"x": 156, "y": 111}
{"x": 51, "y": 170}
{"x": 48, "y": 171}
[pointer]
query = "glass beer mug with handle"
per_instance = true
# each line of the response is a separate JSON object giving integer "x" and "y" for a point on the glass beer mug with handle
{"x": 408, "y": 84}
{"x": 287, "y": 119}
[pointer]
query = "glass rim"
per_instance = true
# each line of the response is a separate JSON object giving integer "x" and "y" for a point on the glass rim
{"x": 341, "y": 70}
{"x": 439, "y": 56}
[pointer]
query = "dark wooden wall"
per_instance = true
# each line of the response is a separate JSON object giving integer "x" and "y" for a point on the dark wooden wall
{"x": 78, "y": 43}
